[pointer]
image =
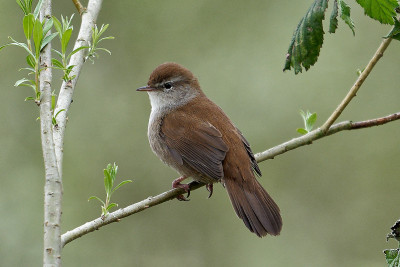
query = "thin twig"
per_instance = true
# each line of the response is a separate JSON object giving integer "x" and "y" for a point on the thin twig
{"x": 306, "y": 139}
{"x": 353, "y": 91}
{"x": 79, "y": 6}
{"x": 318, "y": 134}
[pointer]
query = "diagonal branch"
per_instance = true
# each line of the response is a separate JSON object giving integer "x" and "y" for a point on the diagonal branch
{"x": 306, "y": 139}
{"x": 353, "y": 91}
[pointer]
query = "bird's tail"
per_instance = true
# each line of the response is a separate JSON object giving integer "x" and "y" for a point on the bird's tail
{"x": 254, "y": 206}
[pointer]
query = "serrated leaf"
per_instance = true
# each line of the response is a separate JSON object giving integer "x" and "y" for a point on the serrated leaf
{"x": 302, "y": 131}
{"x": 48, "y": 39}
{"x": 395, "y": 32}
{"x": 333, "y": 21}
{"x": 380, "y": 10}
{"x": 392, "y": 257}
{"x": 37, "y": 36}
{"x": 31, "y": 61}
{"x": 28, "y": 23}
{"x": 65, "y": 40}
{"x": 345, "y": 15}
{"x": 307, "y": 39}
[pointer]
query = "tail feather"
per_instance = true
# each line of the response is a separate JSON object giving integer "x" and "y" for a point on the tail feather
{"x": 255, "y": 207}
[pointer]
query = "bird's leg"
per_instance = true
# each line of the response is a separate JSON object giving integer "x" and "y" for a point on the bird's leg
{"x": 209, "y": 188}
{"x": 177, "y": 184}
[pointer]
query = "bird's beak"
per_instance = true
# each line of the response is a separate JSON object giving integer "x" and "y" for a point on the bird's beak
{"x": 145, "y": 88}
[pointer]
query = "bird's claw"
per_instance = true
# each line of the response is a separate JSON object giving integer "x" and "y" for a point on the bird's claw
{"x": 209, "y": 188}
{"x": 177, "y": 184}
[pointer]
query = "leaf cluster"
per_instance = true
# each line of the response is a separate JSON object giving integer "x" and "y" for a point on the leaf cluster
{"x": 308, "y": 37}
{"x": 96, "y": 39}
{"x": 38, "y": 35}
{"x": 309, "y": 120}
{"x": 110, "y": 173}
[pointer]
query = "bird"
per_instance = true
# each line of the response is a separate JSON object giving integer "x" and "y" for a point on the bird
{"x": 192, "y": 134}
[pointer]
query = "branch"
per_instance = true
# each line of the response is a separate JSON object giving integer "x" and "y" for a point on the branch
{"x": 79, "y": 6}
{"x": 53, "y": 184}
{"x": 307, "y": 139}
{"x": 353, "y": 91}
{"x": 67, "y": 88}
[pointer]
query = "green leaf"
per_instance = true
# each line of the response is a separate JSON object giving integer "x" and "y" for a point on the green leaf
{"x": 21, "y": 82}
{"x": 102, "y": 29}
{"x": 57, "y": 26}
{"x": 345, "y": 15}
{"x": 311, "y": 121}
{"x": 57, "y": 63}
{"x": 61, "y": 110}
{"x": 57, "y": 52}
{"x": 392, "y": 257}
{"x": 104, "y": 49}
{"x": 37, "y": 36}
{"x": 29, "y": 98}
{"x": 65, "y": 40}
{"x": 395, "y": 32}
{"x": 47, "y": 26}
{"x": 48, "y": 39}
{"x": 31, "y": 61}
{"x": 28, "y": 23}
{"x": 121, "y": 184}
{"x": 302, "y": 131}
{"x": 77, "y": 50}
{"x": 111, "y": 205}
{"x": 25, "y": 5}
{"x": 380, "y": 10}
{"x": 37, "y": 9}
{"x": 106, "y": 38}
{"x": 107, "y": 182}
{"x": 94, "y": 197}
{"x": 23, "y": 45}
{"x": 307, "y": 39}
{"x": 333, "y": 24}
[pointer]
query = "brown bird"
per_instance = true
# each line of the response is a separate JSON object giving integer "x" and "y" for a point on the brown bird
{"x": 190, "y": 133}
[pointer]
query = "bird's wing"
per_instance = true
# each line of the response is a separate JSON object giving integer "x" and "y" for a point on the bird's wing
{"x": 197, "y": 143}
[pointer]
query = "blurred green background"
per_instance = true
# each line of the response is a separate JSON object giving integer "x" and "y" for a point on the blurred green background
{"x": 338, "y": 197}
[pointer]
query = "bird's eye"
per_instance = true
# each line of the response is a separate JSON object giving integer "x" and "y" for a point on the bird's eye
{"x": 167, "y": 85}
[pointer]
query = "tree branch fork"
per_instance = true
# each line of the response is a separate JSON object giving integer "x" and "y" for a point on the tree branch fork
{"x": 271, "y": 153}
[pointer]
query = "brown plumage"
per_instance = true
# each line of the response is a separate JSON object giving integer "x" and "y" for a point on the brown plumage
{"x": 194, "y": 136}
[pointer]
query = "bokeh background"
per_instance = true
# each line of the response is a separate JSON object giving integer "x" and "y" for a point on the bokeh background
{"x": 338, "y": 196}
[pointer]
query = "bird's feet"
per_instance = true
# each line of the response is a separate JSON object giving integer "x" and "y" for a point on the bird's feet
{"x": 177, "y": 184}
